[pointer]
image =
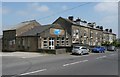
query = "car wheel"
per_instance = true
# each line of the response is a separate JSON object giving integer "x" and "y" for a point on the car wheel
{"x": 88, "y": 53}
{"x": 81, "y": 53}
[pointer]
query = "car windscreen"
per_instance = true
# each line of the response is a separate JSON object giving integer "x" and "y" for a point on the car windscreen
{"x": 83, "y": 48}
{"x": 97, "y": 47}
{"x": 76, "y": 47}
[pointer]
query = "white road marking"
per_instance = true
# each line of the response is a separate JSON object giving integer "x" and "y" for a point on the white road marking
{"x": 101, "y": 57}
{"x": 112, "y": 54}
{"x": 30, "y": 56}
{"x": 23, "y": 57}
{"x": 76, "y": 56}
{"x": 75, "y": 63}
{"x": 84, "y": 60}
{"x": 81, "y": 56}
{"x": 34, "y": 72}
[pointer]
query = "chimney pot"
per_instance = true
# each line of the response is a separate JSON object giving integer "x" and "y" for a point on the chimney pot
{"x": 70, "y": 18}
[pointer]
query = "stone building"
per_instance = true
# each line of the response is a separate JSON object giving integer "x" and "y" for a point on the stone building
{"x": 10, "y": 36}
{"x": 62, "y": 33}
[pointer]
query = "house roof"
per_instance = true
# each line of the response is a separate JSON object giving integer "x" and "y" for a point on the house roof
{"x": 37, "y": 29}
{"x": 69, "y": 21}
{"x": 22, "y": 24}
{"x": 73, "y": 23}
{"x": 108, "y": 32}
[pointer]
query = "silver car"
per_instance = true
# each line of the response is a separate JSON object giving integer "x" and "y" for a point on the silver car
{"x": 80, "y": 50}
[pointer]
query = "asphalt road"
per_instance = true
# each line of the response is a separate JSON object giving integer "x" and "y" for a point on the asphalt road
{"x": 66, "y": 64}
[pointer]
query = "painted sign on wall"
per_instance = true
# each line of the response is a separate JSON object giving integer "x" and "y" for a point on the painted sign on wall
{"x": 57, "y": 32}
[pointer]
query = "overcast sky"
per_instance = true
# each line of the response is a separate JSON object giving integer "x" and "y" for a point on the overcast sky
{"x": 103, "y": 13}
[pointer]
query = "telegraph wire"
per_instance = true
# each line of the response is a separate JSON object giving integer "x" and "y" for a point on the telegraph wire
{"x": 63, "y": 11}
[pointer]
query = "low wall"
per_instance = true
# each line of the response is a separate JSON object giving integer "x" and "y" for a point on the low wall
{"x": 68, "y": 48}
{"x": 52, "y": 51}
{"x": 60, "y": 51}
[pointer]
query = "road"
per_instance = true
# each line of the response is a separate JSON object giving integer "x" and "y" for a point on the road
{"x": 65, "y": 64}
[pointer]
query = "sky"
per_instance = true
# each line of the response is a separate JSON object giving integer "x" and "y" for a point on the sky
{"x": 103, "y": 13}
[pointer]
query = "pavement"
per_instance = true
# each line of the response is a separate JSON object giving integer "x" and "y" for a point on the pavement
{"x": 22, "y": 54}
{"x": 64, "y": 64}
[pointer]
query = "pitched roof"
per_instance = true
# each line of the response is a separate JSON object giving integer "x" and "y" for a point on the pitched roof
{"x": 73, "y": 23}
{"x": 22, "y": 24}
{"x": 35, "y": 30}
{"x": 69, "y": 21}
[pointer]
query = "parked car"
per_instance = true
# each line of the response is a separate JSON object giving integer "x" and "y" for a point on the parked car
{"x": 99, "y": 49}
{"x": 80, "y": 50}
{"x": 111, "y": 48}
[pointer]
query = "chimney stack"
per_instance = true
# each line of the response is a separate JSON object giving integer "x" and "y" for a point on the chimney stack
{"x": 78, "y": 21}
{"x": 106, "y": 30}
{"x": 110, "y": 30}
{"x": 70, "y": 18}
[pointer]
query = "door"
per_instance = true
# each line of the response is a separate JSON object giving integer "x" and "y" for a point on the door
{"x": 51, "y": 43}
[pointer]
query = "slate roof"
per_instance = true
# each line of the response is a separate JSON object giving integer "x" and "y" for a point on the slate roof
{"x": 35, "y": 30}
{"x": 108, "y": 32}
{"x": 73, "y": 23}
{"x": 22, "y": 24}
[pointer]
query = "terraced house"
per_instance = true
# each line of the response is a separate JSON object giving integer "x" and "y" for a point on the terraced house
{"x": 62, "y": 33}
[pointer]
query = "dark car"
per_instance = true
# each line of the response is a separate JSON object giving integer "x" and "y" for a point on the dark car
{"x": 98, "y": 49}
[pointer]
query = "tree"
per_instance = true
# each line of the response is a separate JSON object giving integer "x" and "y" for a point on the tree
{"x": 107, "y": 43}
{"x": 116, "y": 43}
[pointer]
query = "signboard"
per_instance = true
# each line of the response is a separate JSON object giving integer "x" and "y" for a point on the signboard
{"x": 56, "y": 32}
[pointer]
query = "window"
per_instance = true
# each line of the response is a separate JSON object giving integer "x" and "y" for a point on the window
{"x": 11, "y": 43}
{"x": 58, "y": 41}
{"x": 51, "y": 43}
{"x": 85, "y": 42}
{"x": 28, "y": 42}
{"x": 67, "y": 41}
{"x": 45, "y": 43}
{"x": 75, "y": 35}
{"x": 96, "y": 34}
{"x": 75, "y": 32}
{"x": 84, "y": 33}
{"x": 91, "y": 34}
{"x": 63, "y": 41}
{"x": 19, "y": 43}
{"x": 45, "y": 39}
{"x": 23, "y": 42}
{"x": 83, "y": 48}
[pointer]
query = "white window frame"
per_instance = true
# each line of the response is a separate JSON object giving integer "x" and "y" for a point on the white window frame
{"x": 51, "y": 41}
{"x": 63, "y": 41}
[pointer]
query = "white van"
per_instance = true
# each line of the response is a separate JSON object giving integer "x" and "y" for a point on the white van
{"x": 111, "y": 48}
